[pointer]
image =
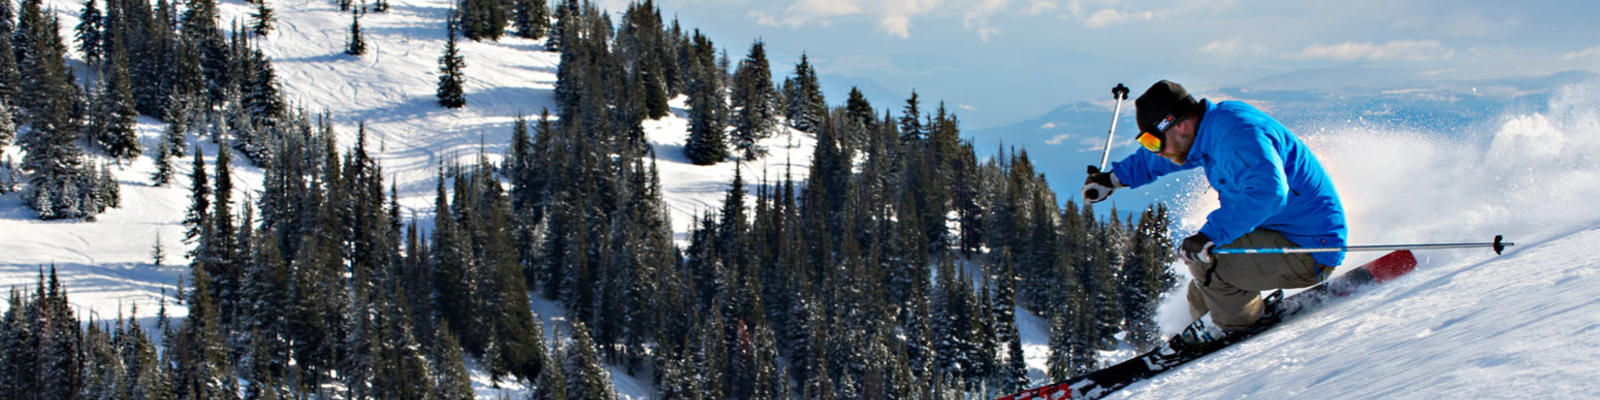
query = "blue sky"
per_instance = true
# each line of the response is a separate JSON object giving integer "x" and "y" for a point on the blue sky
{"x": 996, "y": 62}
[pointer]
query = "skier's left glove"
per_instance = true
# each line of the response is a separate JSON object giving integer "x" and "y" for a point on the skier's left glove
{"x": 1196, "y": 249}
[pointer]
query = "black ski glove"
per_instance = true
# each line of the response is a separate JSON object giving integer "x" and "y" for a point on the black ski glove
{"x": 1196, "y": 249}
{"x": 1099, "y": 185}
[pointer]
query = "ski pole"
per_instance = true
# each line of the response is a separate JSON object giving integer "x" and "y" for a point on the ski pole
{"x": 1119, "y": 93}
{"x": 1498, "y": 245}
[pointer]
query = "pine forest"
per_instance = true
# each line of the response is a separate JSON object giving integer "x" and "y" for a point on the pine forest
{"x": 893, "y": 268}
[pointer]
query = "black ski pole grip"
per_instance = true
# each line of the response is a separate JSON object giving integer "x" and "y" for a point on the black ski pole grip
{"x": 1120, "y": 92}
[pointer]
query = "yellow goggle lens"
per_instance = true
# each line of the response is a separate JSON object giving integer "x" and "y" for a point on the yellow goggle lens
{"x": 1150, "y": 142}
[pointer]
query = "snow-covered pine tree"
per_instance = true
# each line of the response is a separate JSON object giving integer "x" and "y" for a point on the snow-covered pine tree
{"x": 226, "y": 264}
{"x": 8, "y": 67}
{"x": 163, "y": 156}
{"x": 586, "y": 378}
{"x": 54, "y": 162}
{"x": 707, "y": 142}
{"x": 197, "y": 219}
{"x": 90, "y": 33}
{"x": 117, "y": 135}
{"x": 552, "y": 383}
{"x": 8, "y": 130}
{"x": 107, "y": 189}
{"x": 200, "y": 26}
{"x": 753, "y": 100}
{"x": 261, "y": 19}
{"x": 357, "y": 44}
{"x": 531, "y": 18}
{"x": 483, "y": 19}
{"x": 451, "y": 381}
{"x": 450, "y": 65}
{"x": 1146, "y": 276}
{"x": 203, "y": 367}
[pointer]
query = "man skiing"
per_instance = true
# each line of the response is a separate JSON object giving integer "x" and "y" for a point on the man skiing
{"x": 1273, "y": 192}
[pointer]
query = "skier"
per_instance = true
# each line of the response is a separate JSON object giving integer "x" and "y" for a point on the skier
{"x": 1273, "y": 192}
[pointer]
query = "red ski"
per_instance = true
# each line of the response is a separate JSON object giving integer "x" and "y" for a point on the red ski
{"x": 1186, "y": 346}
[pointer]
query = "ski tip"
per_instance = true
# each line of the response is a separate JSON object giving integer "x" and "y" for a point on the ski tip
{"x": 1392, "y": 265}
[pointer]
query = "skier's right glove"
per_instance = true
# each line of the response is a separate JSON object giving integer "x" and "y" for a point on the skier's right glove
{"x": 1099, "y": 185}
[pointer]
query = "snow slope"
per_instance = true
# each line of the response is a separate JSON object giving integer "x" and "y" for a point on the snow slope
{"x": 1466, "y": 324}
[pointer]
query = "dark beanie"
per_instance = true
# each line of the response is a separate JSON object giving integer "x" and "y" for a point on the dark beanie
{"x": 1166, "y": 99}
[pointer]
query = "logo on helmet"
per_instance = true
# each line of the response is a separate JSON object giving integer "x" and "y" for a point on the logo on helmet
{"x": 1164, "y": 124}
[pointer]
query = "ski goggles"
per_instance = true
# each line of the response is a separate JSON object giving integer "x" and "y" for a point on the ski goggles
{"x": 1150, "y": 142}
{"x": 1155, "y": 141}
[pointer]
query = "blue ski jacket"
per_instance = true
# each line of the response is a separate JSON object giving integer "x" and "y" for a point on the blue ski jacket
{"x": 1265, "y": 178}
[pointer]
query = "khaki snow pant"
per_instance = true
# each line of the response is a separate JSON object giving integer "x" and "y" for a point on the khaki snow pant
{"x": 1230, "y": 287}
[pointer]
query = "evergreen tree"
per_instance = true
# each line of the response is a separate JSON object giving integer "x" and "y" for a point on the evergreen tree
{"x": 201, "y": 28}
{"x": 450, "y": 370}
{"x": 357, "y": 45}
{"x": 57, "y": 174}
{"x": 483, "y": 19}
{"x": 8, "y": 130}
{"x": 551, "y": 384}
{"x": 197, "y": 219}
{"x": 8, "y": 67}
{"x": 531, "y": 18}
{"x": 261, "y": 19}
{"x": 158, "y": 253}
{"x": 753, "y": 99}
{"x": 1146, "y": 277}
{"x": 586, "y": 379}
{"x": 117, "y": 134}
{"x": 804, "y": 105}
{"x": 450, "y": 78}
{"x": 203, "y": 367}
{"x": 163, "y": 156}
{"x": 90, "y": 33}
{"x": 707, "y": 142}
{"x": 263, "y": 105}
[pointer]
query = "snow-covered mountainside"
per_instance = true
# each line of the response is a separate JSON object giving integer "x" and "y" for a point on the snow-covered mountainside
{"x": 107, "y": 265}
{"x": 1464, "y": 325}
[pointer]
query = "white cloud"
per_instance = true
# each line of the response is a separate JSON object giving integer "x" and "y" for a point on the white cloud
{"x": 1589, "y": 53}
{"x": 967, "y": 107}
{"x": 1402, "y": 50}
{"x": 893, "y": 17}
{"x": 977, "y": 17}
{"x": 1058, "y": 139}
{"x": 1110, "y": 16}
{"x": 1231, "y": 48}
{"x": 1040, "y": 7}
{"x": 803, "y": 12}
{"x": 1048, "y": 125}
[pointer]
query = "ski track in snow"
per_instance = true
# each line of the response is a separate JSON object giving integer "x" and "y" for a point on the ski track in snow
{"x": 1464, "y": 325}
